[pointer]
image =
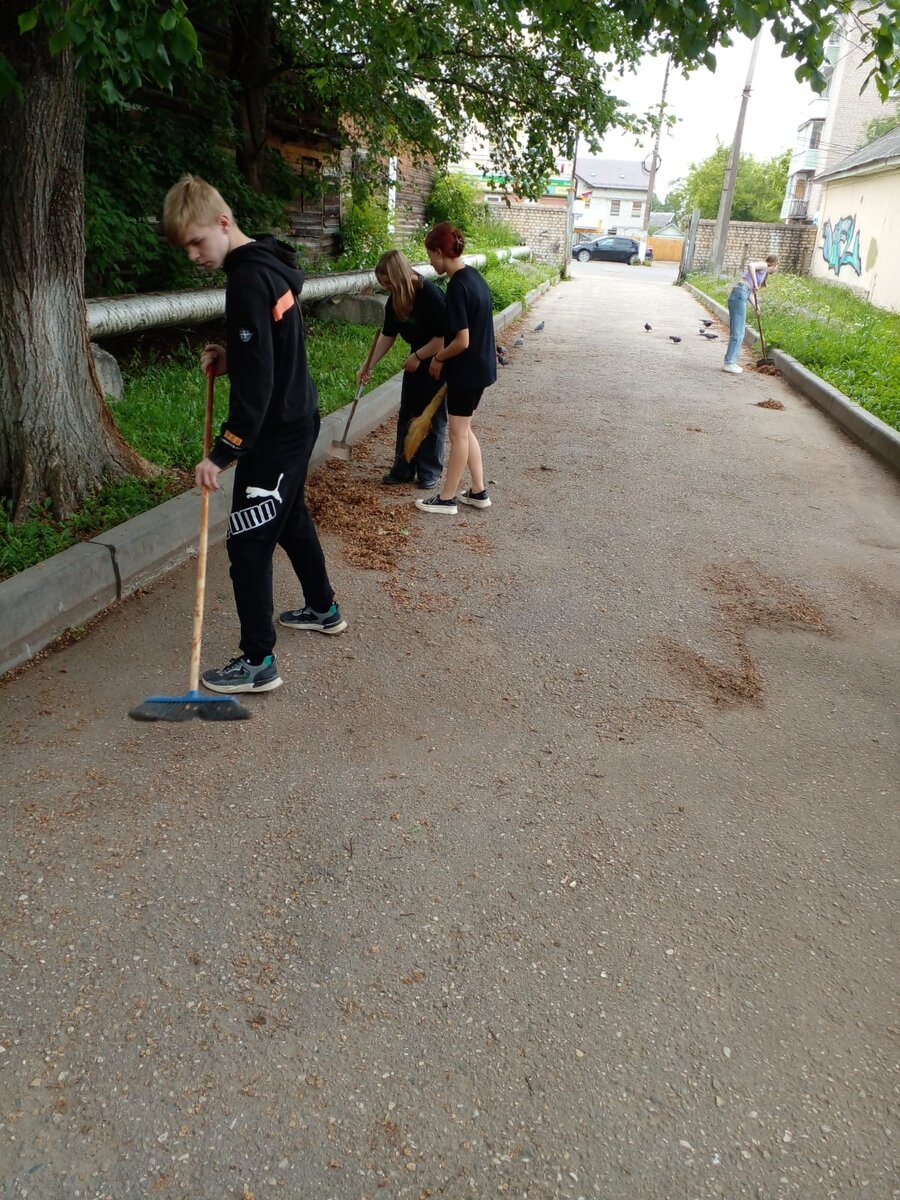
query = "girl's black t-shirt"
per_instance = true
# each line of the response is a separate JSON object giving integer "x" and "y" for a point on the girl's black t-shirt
{"x": 426, "y": 320}
{"x": 469, "y": 307}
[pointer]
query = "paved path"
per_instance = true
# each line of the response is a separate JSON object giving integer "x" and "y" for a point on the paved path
{"x": 573, "y": 877}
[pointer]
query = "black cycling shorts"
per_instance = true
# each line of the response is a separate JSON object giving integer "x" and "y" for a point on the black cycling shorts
{"x": 464, "y": 402}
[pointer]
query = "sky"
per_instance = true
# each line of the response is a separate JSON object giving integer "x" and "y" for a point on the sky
{"x": 707, "y": 105}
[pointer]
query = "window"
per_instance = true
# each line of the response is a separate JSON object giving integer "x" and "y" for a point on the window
{"x": 815, "y": 134}
{"x": 637, "y": 208}
{"x": 612, "y": 231}
{"x": 615, "y": 207}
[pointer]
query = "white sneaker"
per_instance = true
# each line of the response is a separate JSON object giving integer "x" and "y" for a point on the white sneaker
{"x": 476, "y": 499}
{"x": 733, "y": 369}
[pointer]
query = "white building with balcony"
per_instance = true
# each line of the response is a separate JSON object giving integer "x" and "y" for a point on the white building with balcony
{"x": 835, "y": 124}
{"x": 805, "y": 161}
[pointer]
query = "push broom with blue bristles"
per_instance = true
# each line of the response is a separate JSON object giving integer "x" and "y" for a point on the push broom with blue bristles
{"x": 195, "y": 703}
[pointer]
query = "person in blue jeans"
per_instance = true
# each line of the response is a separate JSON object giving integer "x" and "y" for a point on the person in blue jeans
{"x": 756, "y": 274}
{"x": 415, "y": 311}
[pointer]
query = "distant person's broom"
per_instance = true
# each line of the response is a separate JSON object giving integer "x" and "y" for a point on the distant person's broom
{"x": 417, "y": 429}
{"x": 765, "y": 361}
{"x": 195, "y": 703}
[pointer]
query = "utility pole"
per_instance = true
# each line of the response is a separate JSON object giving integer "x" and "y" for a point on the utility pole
{"x": 720, "y": 235}
{"x": 642, "y": 253}
{"x": 570, "y": 211}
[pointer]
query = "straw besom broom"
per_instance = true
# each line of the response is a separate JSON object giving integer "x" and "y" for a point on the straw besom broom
{"x": 417, "y": 430}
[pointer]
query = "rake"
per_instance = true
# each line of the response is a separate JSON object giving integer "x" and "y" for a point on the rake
{"x": 194, "y": 703}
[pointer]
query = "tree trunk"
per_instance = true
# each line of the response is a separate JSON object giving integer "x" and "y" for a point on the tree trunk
{"x": 57, "y": 437}
{"x": 251, "y": 42}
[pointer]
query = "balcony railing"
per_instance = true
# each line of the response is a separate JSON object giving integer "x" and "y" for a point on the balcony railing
{"x": 796, "y": 210}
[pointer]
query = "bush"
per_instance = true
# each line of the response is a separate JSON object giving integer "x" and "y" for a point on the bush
{"x": 491, "y": 232}
{"x": 132, "y": 157}
{"x": 457, "y": 200}
{"x": 364, "y": 235}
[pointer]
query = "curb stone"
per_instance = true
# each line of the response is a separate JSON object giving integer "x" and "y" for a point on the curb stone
{"x": 873, "y": 433}
{"x": 39, "y": 604}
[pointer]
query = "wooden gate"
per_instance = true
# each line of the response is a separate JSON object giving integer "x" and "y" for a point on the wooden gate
{"x": 666, "y": 249}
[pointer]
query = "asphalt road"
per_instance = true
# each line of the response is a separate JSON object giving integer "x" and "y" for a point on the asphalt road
{"x": 569, "y": 871}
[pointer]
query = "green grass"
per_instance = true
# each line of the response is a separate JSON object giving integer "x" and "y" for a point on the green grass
{"x": 29, "y": 542}
{"x": 840, "y": 337}
{"x": 161, "y": 415}
{"x": 513, "y": 280}
{"x": 336, "y": 351}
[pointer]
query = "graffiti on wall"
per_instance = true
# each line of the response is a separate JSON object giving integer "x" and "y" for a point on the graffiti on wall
{"x": 840, "y": 245}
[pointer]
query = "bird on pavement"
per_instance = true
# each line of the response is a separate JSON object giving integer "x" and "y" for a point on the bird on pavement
{"x": 705, "y": 321}
{"x": 539, "y": 327}
{"x": 673, "y": 338}
{"x": 647, "y": 327}
{"x": 710, "y": 336}
{"x": 520, "y": 341}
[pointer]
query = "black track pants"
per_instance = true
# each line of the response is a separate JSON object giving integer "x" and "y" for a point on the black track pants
{"x": 268, "y": 510}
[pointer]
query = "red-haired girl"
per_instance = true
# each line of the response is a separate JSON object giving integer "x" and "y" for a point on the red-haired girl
{"x": 468, "y": 361}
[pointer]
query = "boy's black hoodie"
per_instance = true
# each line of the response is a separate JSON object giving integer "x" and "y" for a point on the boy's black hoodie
{"x": 273, "y": 400}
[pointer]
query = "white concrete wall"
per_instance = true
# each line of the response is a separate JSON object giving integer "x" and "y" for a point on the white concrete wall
{"x": 856, "y": 240}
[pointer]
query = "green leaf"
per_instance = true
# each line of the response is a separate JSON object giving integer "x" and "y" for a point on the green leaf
{"x": 28, "y": 20}
{"x": 111, "y": 93}
{"x": 77, "y": 34}
{"x": 59, "y": 41}
{"x": 9, "y": 84}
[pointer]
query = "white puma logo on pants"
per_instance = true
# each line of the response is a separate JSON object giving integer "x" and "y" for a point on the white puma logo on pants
{"x": 253, "y": 492}
{"x": 245, "y": 519}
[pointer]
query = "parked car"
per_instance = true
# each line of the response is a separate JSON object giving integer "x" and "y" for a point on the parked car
{"x": 608, "y": 249}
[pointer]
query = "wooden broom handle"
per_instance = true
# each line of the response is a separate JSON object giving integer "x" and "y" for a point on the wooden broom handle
{"x": 202, "y": 543}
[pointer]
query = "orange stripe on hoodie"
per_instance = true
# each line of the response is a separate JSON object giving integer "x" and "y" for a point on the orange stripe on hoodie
{"x": 282, "y": 304}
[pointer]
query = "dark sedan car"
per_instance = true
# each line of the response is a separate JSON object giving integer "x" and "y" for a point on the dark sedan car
{"x": 608, "y": 249}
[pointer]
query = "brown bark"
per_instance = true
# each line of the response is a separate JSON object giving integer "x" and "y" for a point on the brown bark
{"x": 251, "y": 41}
{"x": 57, "y": 437}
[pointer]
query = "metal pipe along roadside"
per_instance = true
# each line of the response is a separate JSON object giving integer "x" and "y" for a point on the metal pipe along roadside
{"x": 127, "y": 314}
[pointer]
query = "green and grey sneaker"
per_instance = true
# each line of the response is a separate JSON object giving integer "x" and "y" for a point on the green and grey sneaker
{"x": 307, "y": 618}
{"x": 239, "y": 675}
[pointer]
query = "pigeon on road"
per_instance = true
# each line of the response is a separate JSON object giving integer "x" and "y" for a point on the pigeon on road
{"x": 539, "y": 327}
{"x": 520, "y": 341}
{"x": 647, "y": 327}
{"x": 705, "y": 321}
{"x": 710, "y": 336}
{"x": 673, "y": 338}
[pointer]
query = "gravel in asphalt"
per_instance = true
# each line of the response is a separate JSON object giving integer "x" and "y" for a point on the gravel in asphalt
{"x": 568, "y": 871}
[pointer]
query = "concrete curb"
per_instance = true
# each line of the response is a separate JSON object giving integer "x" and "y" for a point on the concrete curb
{"x": 40, "y": 604}
{"x": 870, "y": 431}
{"x": 720, "y": 310}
